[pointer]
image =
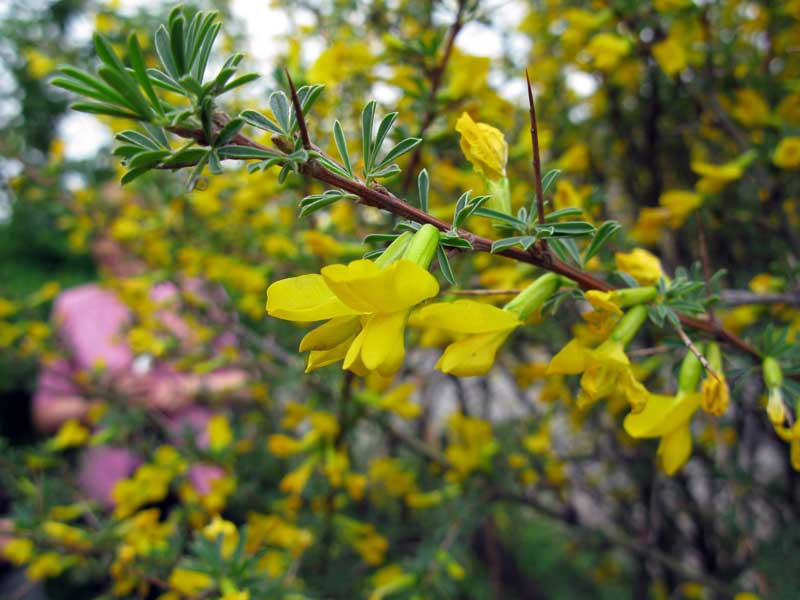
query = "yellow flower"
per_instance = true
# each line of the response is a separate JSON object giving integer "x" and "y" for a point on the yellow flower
{"x": 219, "y": 432}
{"x": 484, "y": 329}
{"x": 484, "y": 146}
{"x": 575, "y": 159}
{"x": 398, "y": 401}
{"x": 71, "y": 434}
{"x": 649, "y": 225}
{"x": 716, "y": 177}
{"x": 219, "y": 527}
{"x": 603, "y": 301}
{"x": 605, "y": 369}
{"x": 640, "y": 264}
{"x": 18, "y": 551}
{"x": 751, "y": 110}
{"x": 236, "y": 595}
{"x": 716, "y": 395}
{"x": 295, "y": 481}
{"x": 679, "y": 203}
{"x": 471, "y": 446}
{"x": 787, "y": 154}
{"x": 791, "y": 435}
{"x": 607, "y": 50}
{"x": 282, "y": 445}
{"x": 366, "y": 307}
{"x": 670, "y": 55}
{"x": 667, "y": 417}
{"x": 47, "y": 564}
{"x": 189, "y": 583}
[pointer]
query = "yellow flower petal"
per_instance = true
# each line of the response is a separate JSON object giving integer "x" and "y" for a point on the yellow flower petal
{"x": 484, "y": 146}
{"x": 640, "y": 264}
{"x": 675, "y": 448}
{"x": 603, "y": 301}
{"x": 303, "y": 299}
{"x": 467, "y": 316}
{"x": 383, "y": 347}
{"x": 661, "y": 415}
{"x": 331, "y": 334}
{"x": 473, "y": 355}
{"x": 366, "y": 288}
{"x": 571, "y": 360}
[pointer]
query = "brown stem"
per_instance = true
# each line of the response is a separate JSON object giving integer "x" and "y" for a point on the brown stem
{"x": 385, "y": 200}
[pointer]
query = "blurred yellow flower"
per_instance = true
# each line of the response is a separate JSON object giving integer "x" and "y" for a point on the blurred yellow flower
{"x": 640, "y": 264}
{"x": 787, "y": 154}
{"x": 484, "y": 147}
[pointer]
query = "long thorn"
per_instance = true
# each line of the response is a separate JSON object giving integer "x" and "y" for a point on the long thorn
{"x": 298, "y": 111}
{"x": 537, "y": 162}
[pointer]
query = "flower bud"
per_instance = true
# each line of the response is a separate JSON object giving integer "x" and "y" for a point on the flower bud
{"x": 422, "y": 247}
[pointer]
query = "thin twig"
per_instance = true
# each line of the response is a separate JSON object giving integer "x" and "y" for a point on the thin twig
{"x": 705, "y": 260}
{"x": 693, "y": 349}
{"x": 620, "y": 539}
{"x": 436, "y": 78}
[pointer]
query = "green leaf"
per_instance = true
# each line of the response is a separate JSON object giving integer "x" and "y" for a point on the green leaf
{"x": 549, "y": 178}
{"x": 386, "y": 171}
{"x": 127, "y": 88}
{"x": 455, "y": 242}
{"x": 256, "y": 119}
{"x": 185, "y": 156}
{"x": 525, "y": 241}
{"x": 566, "y": 250}
{"x": 164, "y": 51}
{"x": 229, "y": 131}
{"x": 201, "y": 60}
{"x": 239, "y": 81}
{"x": 246, "y": 152}
{"x": 367, "y": 119}
{"x": 164, "y": 81}
{"x": 383, "y": 130}
{"x": 341, "y": 146}
{"x": 138, "y": 139}
{"x": 444, "y": 265}
{"x": 147, "y": 160}
{"x": 406, "y": 145}
{"x": 279, "y": 104}
{"x": 332, "y": 166}
{"x": 378, "y": 238}
{"x": 139, "y": 68}
{"x": 564, "y": 212}
{"x": 106, "y": 53}
{"x": 604, "y": 233}
{"x": 176, "y": 43}
{"x": 133, "y": 174}
{"x": 423, "y": 186}
{"x": 214, "y": 164}
{"x": 197, "y": 171}
{"x": 566, "y": 229}
{"x": 318, "y": 204}
{"x": 97, "y": 108}
{"x": 103, "y": 92}
{"x": 496, "y": 215}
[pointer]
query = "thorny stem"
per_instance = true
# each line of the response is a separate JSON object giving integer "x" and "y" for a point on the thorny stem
{"x": 301, "y": 122}
{"x": 383, "y": 199}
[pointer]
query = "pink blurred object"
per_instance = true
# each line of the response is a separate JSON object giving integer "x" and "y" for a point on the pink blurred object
{"x": 102, "y": 467}
{"x": 91, "y": 323}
